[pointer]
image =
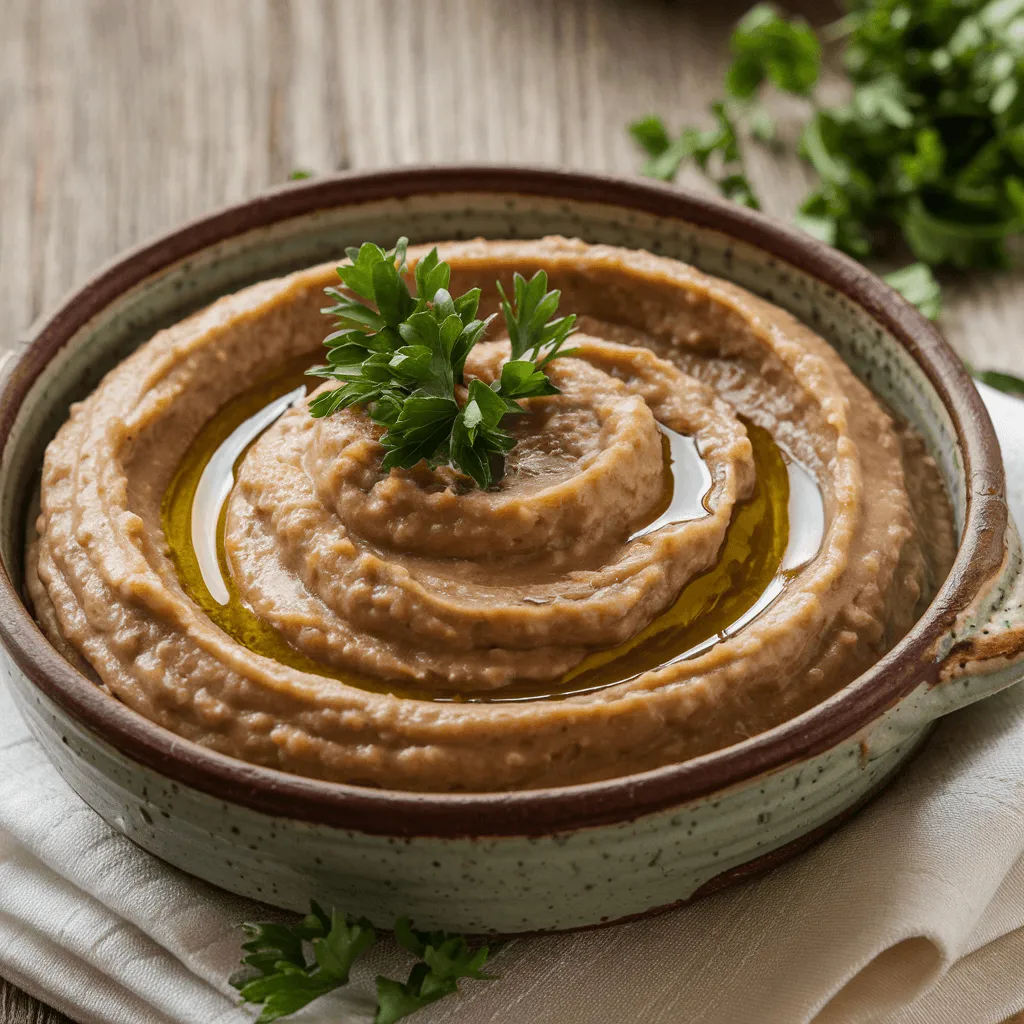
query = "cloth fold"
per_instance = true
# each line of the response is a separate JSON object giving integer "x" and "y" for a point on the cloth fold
{"x": 913, "y": 913}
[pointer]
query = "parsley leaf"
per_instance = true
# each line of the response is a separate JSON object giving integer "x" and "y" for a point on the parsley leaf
{"x": 423, "y": 426}
{"x": 403, "y": 357}
{"x": 279, "y": 975}
{"x": 476, "y": 437}
{"x": 651, "y": 133}
{"x": 1005, "y": 382}
{"x": 396, "y": 999}
{"x": 715, "y": 151}
{"x": 765, "y": 46}
{"x": 665, "y": 156}
{"x": 917, "y": 285}
{"x": 445, "y": 960}
{"x": 520, "y": 378}
{"x": 533, "y": 330}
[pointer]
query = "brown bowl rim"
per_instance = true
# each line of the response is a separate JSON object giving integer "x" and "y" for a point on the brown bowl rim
{"x": 539, "y": 811}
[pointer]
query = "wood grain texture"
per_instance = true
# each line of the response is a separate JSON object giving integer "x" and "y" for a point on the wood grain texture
{"x": 18, "y": 1008}
{"x": 120, "y": 119}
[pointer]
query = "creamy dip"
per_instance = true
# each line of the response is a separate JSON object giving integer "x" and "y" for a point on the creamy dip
{"x": 713, "y": 527}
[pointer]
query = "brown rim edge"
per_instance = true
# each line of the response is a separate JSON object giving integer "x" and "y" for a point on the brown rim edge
{"x": 543, "y": 811}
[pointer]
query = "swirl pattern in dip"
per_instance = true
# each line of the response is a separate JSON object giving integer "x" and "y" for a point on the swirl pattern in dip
{"x": 427, "y": 631}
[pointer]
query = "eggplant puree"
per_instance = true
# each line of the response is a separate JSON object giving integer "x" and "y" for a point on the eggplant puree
{"x": 417, "y": 580}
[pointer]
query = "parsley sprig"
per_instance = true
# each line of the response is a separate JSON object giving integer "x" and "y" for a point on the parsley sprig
{"x": 281, "y": 978}
{"x": 402, "y": 357}
{"x": 716, "y": 151}
{"x": 445, "y": 959}
{"x": 277, "y": 974}
{"x": 533, "y": 330}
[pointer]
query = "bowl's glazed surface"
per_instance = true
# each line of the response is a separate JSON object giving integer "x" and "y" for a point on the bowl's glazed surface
{"x": 539, "y": 859}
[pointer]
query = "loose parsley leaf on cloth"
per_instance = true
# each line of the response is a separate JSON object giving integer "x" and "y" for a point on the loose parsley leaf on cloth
{"x": 402, "y": 356}
{"x": 1001, "y": 381}
{"x": 444, "y": 960}
{"x": 278, "y": 974}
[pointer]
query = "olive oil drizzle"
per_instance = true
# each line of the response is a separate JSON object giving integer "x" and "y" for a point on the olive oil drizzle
{"x": 749, "y": 562}
{"x": 753, "y": 566}
{"x": 687, "y": 484}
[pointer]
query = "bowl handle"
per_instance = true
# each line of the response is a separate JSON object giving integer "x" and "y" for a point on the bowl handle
{"x": 986, "y": 647}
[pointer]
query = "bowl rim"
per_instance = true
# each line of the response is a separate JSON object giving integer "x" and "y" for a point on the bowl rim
{"x": 538, "y": 811}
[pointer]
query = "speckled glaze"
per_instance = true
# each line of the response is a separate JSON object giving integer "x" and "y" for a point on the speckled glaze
{"x": 545, "y": 859}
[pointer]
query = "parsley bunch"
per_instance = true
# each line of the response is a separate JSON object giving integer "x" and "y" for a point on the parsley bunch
{"x": 402, "y": 357}
{"x": 930, "y": 143}
{"x": 277, "y": 974}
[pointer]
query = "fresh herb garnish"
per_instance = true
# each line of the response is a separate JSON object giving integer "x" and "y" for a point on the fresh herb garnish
{"x": 767, "y": 48}
{"x": 533, "y": 331}
{"x": 281, "y": 978}
{"x": 300, "y": 174}
{"x": 278, "y": 975}
{"x": 917, "y": 284}
{"x": 930, "y": 143}
{"x": 716, "y": 151}
{"x": 1001, "y": 381}
{"x": 444, "y": 960}
{"x": 402, "y": 357}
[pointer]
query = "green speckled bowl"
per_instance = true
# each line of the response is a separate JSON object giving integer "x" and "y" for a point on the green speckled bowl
{"x": 543, "y": 859}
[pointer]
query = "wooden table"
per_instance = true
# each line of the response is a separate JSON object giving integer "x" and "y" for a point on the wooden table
{"x": 122, "y": 118}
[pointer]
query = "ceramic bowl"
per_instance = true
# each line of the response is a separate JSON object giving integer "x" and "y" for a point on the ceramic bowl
{"x": 542, "y": 859}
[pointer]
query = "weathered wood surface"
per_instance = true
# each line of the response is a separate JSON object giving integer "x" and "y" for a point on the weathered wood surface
{"x": 122, "y": 118}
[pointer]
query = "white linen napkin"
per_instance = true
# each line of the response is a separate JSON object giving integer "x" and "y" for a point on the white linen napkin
{"x": 913, "y": 913}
